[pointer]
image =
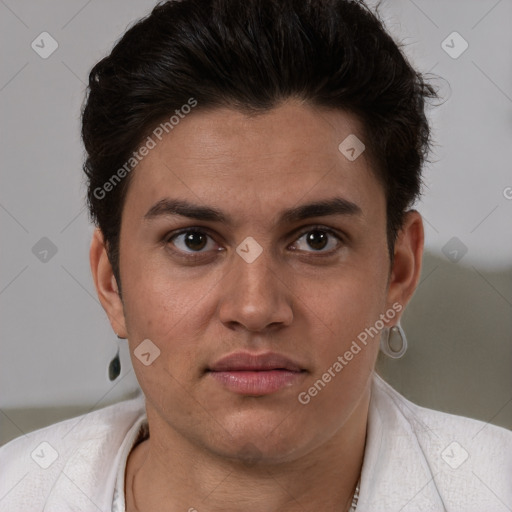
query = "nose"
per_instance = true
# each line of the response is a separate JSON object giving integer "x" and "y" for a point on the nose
{"x": 255, "y": 295}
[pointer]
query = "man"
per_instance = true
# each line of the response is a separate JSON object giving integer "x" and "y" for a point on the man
{"x": 251, "y": 168}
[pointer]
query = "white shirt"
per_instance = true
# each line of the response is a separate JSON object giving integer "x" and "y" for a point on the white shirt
{"x": 416, "y": 460}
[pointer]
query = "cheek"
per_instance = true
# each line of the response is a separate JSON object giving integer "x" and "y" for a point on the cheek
{"x": 160, "y": 317}
{"x": 156, "y": 298}
{"x": 170, "y": 311}
{"x": 345, "y": 320}
{"x": 161, "y": 314}
{"x": 346, "y": 345}
{"x": 352, "y": 301}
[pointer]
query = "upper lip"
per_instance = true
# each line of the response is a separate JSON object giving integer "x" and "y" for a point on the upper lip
{"x": 245, "y": 361}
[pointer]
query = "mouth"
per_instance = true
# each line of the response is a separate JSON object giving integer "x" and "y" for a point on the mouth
{"x": 256, "y": 374}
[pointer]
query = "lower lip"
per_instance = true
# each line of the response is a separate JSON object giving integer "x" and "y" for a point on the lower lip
{"x": 257, "y": 383}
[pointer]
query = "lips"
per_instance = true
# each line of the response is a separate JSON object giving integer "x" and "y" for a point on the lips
{"x": 245, "y": 361}
{"x": 249, "y": 374}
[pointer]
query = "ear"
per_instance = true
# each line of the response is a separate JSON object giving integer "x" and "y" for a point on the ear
{"x": 106, "y": 285}
{"x": 408, "y": 251}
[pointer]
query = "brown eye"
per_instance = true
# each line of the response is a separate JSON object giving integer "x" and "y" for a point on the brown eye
{"x": 319, "y": 240}
{"x": 190, "y": 241}
{"x": 195, "y": 241}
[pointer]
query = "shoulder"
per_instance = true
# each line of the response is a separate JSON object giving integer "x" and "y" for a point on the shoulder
{"x": 429, "y": 424}
{"x": 470, "y": 461}
{"x": 77, "y": 453}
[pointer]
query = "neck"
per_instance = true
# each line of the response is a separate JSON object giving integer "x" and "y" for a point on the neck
{"x": 193, "y": 479}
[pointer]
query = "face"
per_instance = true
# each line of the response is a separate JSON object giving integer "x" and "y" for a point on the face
{"x": 221, "y": 254}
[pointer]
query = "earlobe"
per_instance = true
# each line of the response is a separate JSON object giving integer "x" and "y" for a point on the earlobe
{"x": 408, "y": 255}
{"x": 106, "y": 285}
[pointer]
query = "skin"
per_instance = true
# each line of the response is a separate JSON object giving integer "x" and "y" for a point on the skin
{"x": 209, "y": 448}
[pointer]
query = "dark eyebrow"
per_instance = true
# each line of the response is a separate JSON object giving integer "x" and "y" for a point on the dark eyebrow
{"x": 333, "y": 206}
{"x": 185, "y": 209}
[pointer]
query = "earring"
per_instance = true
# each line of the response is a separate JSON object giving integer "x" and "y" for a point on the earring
{"x": 114, "y": 368}
{"x": 393, "y": 341}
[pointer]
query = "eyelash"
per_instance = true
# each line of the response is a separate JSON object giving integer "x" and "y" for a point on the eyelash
{"x": 198, "y": 255}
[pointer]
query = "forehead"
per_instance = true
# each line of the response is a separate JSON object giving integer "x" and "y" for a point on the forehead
{"x": 224, "y": 156}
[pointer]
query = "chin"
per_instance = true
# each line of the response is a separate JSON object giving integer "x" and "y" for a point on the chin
{"x": 257, "y": 444}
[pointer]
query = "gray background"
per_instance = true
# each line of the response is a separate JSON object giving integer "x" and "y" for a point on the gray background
{"x": 55, "y": 338}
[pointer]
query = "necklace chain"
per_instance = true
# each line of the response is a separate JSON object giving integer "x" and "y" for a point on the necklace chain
{"x": 355, "y": 498}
